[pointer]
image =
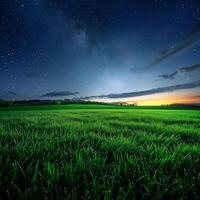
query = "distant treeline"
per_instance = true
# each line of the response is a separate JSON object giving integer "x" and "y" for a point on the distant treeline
{"x": 4, "y": 103}
{"x": 192, "y": 106}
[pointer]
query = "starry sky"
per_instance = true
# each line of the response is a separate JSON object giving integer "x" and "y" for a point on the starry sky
{"x": 120, "y": 50}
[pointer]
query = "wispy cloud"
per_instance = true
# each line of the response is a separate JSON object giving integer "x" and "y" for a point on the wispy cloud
{"x": 190, "y": 39}
{"x": 190, "y": 68}
{"x": 168, "y": 76}
{"x": 152, "y": 91}
{"x": 8, "y": 92}
{"x": 182, "y": 69}
{"x": 59, "y": 94}
{"x": 197, "y": 96}
{"x": 11, "y": 93}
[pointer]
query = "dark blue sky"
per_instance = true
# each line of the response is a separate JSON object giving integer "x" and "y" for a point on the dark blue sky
{"x": 65, "y": 48}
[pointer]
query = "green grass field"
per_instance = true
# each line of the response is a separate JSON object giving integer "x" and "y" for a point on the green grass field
{"x": 99, "y": 152}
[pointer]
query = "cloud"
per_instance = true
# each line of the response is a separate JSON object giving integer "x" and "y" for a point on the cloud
{"x": 169, "y": 76}
{"x": 7, "y": 93}
{"x": 11, "y": 93}
{"x": 190, "y": 68}
{"x": 182, "y": 69}
{"x": 152, "y": 91}
{"x": 59, "y": 94}
{"x": 190, "y": 39}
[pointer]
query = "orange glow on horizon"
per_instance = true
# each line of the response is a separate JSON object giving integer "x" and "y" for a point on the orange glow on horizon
{"x": 168, "y": 101}
{"x": 177, "y": 97}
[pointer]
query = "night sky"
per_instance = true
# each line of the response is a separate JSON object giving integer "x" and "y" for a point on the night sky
{"x": 132, "y": 50}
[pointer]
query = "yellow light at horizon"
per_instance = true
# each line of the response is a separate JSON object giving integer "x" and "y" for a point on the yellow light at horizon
{"x": 176, "y": 97}
{"x": 167, "y": 101}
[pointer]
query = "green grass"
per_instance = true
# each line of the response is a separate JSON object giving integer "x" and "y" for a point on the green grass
{"x": 99, "y": 152}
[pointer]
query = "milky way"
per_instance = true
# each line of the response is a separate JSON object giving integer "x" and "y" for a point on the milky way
{"x": 80, "y": 48}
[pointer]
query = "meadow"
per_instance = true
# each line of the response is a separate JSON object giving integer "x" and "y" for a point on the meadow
{"x": 99, "y": 152}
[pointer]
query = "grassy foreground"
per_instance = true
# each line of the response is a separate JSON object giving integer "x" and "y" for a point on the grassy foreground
{"x": 99, "y": 152}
